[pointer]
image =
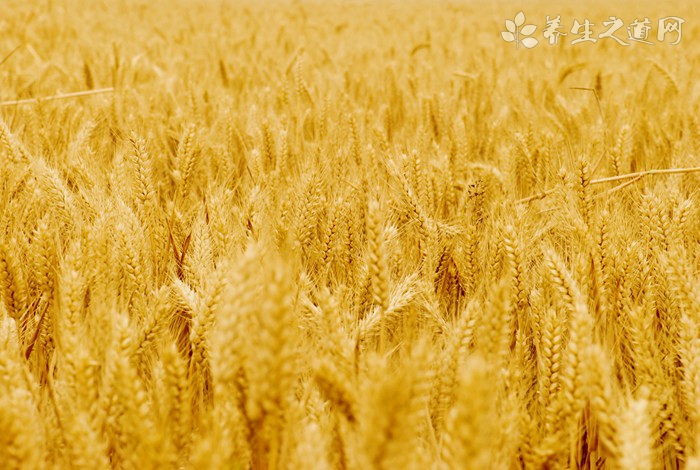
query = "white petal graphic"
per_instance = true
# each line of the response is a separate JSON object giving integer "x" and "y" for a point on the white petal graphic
{"x": 507, "y": 37}
{"x": 510, "y": 26}
{"x": 529, "y": 42}
{"x": 519, "y": 19}
{"x": 528, "y": 29}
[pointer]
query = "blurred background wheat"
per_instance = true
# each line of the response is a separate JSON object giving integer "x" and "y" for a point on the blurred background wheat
{"x": 346, "y": 235}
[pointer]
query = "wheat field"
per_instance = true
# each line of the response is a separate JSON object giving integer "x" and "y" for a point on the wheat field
{"x": 346, "y": 235}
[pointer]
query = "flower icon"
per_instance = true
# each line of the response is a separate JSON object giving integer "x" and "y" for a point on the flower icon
{"x": 514, "y": 31}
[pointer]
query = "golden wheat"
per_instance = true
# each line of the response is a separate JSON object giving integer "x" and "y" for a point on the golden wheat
{"x": 345, "y": 235}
